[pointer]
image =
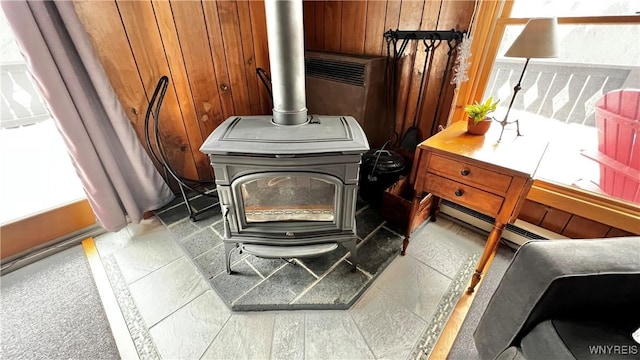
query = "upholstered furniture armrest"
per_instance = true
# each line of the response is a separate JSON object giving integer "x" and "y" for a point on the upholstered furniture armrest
{"x": 558, "y": 278}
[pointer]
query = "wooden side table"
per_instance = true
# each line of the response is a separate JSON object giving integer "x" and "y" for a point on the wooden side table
{"x": 479, "y": 173}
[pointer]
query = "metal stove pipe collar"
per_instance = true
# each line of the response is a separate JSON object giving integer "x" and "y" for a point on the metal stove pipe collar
{"x": 285, "y": 33}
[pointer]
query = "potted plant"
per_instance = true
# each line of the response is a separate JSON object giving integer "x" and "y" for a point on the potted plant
{"x": 479, "y": 120}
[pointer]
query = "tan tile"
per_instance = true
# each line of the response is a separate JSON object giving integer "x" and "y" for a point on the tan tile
{"x": 390, "y": 330}
{"x": 245, "y": 336}
{"x": 334, "y": 335}
{"x": 167, "y": 289}
{"x": 188, "y": 332}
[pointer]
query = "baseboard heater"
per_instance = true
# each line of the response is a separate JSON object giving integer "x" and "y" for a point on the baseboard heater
{"x": 517, "y": 233}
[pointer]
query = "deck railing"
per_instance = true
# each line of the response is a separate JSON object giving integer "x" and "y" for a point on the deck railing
{"x": 563, "y": 91}
{"x": 21, "y": 104}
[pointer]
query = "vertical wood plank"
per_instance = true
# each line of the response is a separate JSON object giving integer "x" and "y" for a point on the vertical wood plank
{"x": 615, "y": 232}
{"x": 376, "y": 15}
{"x": 582, "y": 228}
{"x": 145, "y": 41}
{"x": 108, "y": 37}
{"x": 213, "y": 35}
{"x": 260, "y": 46}
{"x": 454, "y": 15}
{"x": 319, "y": 22}
{"x": 410, "y": 19}
{"x": 532, "y": 212}
{"x": 309, "y": 21}
{"x": 107, "y": 34}
{"x": 194, "y": 46}
{"x": 433, "y": 92}
{"x": 246, "y": 34}
{"x": 555, "y": 220}
{"x": 230, "y": 27}
{"x": 354, "y": 14}
{"x": 430, "y": 85}
{"x": 391, "y": 20}
{"x": 180, "y": 82}
{"x": 332, "y": 25}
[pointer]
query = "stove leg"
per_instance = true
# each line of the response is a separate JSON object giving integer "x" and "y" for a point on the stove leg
{"x": 228, "y": 248}
{"x": 351, "y": 246}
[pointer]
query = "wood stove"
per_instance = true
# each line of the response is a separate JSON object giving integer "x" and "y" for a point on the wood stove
{"x": 287, "y": 191}
{"x": 287, "y": 183}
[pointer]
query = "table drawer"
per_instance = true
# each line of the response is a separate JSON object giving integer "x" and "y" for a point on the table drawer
{"x": 460, "y": 171}
{"x": 485, "y": 202}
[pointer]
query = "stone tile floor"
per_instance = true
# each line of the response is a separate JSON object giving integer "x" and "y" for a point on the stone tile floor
{"x": 325, "y": 282}
{"x": 172, "y": 311}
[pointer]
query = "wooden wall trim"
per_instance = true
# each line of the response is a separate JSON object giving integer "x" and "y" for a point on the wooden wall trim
{"x": 22, "y": 235}
{"x": 605, "y": 210}
{"x": 485, "y": 29}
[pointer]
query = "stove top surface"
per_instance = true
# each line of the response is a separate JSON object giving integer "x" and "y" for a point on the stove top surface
{"x": 259, "y": 135}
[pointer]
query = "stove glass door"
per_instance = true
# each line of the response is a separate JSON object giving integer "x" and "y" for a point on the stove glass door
{"x": 277, "y": 197}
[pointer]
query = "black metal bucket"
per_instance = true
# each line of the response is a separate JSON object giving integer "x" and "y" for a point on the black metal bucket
{"x": 380, "y": 169}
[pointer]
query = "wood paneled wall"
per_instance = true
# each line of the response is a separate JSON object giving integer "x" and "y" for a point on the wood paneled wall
{"x": 209, "y": 50}
{"x": 567, "y": 224}
{"x": 357, "y": 27}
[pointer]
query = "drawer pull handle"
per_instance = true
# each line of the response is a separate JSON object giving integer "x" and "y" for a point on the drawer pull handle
{"x": 459, "y": 192}
{"x": 465, "y": 172}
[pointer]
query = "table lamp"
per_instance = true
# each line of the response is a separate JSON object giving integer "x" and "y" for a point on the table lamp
{"x": 537, "y": 40}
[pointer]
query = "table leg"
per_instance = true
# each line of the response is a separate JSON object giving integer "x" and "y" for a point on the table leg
{"x": 412, "y": 214}
{"x": 489, "y": 249}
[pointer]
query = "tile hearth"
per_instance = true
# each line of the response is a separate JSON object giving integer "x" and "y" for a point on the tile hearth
{"x": 172, "y": 311}
{"x": 325, "y": 282}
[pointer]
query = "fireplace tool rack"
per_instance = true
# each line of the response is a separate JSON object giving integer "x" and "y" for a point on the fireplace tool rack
{"x": 397, "y": 41}
{"x": 160, "y": 156}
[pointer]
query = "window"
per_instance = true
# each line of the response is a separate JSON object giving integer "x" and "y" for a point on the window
{"x": 599, "y": 53}
{"x": 572, "y": 8}
{"x": 36, "y": 173}
{"x": 560, "y": 95}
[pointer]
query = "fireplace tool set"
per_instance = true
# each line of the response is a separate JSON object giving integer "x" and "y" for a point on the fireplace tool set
{"x": 432, "y": 40}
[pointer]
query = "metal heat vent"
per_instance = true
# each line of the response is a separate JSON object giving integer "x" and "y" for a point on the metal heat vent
{"x": 341, "y": 71}
{"x": 346, "y": 84}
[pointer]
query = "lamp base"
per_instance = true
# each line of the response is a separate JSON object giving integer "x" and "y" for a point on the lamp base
{"x": 504, "y": 123}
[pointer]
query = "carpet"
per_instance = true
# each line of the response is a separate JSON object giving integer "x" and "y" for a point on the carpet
{"x": 51, "y": 310}
{"x": 445, "y": 307}
{"x": 463, "y": 347}
{"x": 324, "y": 282}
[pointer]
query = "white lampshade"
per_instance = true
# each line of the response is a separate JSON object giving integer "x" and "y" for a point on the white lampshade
{"x": 537, "y": 40}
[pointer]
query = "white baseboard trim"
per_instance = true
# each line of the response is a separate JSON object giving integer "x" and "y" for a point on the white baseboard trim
{"x": 517, "y": 233}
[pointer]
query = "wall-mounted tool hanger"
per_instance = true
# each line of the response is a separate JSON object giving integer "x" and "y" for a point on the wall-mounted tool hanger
{"x": 398, "y": 41}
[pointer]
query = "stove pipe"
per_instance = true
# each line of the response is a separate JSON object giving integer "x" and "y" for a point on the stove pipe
{"x": 285, "y": 32}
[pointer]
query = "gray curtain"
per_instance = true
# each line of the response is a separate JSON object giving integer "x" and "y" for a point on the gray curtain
{"x": 119, "y": 179}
